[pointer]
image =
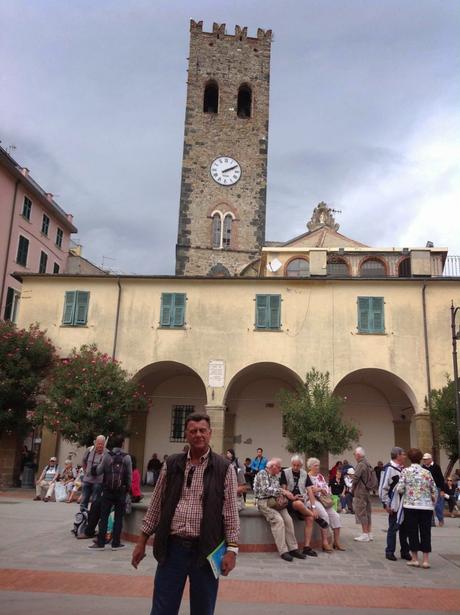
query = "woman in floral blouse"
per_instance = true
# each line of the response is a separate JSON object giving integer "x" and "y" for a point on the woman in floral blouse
{"x": 417, "y": 487}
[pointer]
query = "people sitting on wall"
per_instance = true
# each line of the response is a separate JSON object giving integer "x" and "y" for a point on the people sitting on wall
{"x": 267, "y": 491}
{"x": 136, "y": 494}
{"x": 297, "y": 481}
{"x": 347, "y": 498}
{"x": 47, "y": 480}
{"x": 75, "y": 493}
{"x": 65, "y": 482}
{"x": 337, "y": 487}
{"x": 153, "y": 470}
{"x": 324, "y": 505}
{"x": 333, "y": 471}
{"x": 248, "y": 475}
{"x": 240, "y": 477}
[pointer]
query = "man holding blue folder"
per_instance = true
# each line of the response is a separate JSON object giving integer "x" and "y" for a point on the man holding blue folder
{"x": 193, "y": 511}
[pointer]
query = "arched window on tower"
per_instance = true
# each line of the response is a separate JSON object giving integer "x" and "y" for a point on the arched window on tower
{"x": 216, "y": 230}
{"x": 227, "y": 234}
{"x": 244, "y": 101}
{"x": 211, "y": 97}
{"x": 298, "y": 268}
{"x": 404, "y": 268}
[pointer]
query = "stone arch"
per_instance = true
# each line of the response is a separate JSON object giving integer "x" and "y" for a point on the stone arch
{"x": 244, "y": 101}
{"x": 218, "y": 271}
{"x": 382, "y": 405}
{"x": 173, "y": 389}
{"x": 211, "y": 97}
{"x": 253, "y": 417}
{"x": 376, "y": 259}
{"x": 297, "y": 259}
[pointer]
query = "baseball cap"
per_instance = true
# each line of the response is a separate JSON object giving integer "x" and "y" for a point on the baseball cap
{"x": 53, "y": 458}
{"x": 427, "y": 456}
{"x": 350, "y": 471}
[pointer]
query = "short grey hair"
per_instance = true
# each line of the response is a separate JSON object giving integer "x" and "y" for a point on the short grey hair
{"x": 312, "y": 461}
{"x": 360, "y": 451}
{"x": 296, "y": 457}
{"x": 396, "y": 451}
{"x": 274, "y": 461}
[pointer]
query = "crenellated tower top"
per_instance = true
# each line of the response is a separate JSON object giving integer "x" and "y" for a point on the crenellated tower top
{"x": 219, "y": 31}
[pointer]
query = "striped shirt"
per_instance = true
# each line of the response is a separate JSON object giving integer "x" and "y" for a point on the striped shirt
{"x": 187, "y": 518}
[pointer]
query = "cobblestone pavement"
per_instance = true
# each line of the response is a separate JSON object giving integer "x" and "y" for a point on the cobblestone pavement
{"x": 44, "y": 569}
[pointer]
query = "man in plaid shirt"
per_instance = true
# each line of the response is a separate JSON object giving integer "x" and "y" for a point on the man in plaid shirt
{"x": 192, "y": 510}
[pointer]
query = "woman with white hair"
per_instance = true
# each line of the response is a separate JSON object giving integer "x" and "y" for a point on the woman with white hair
{"x": 326, "y": 512}
{"x": 297, "y": 481}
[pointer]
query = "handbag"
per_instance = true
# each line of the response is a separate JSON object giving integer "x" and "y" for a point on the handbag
{"x": 278, "y": 503}
{"x": 326, "y": 500}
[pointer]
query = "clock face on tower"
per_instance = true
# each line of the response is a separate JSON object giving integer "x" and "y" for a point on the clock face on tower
{"x": 225, "y": 171}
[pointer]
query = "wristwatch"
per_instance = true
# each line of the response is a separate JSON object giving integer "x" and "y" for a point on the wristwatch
{"x": 313, "y": 505}
{"x": 233, "y": 550}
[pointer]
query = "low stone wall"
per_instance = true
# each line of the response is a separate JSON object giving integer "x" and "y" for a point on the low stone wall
{"x": 255, "y": 534}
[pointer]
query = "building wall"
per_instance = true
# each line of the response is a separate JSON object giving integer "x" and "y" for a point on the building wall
{"x": 230, "y": 60}
{"x": 31, "y": 230}
{"x": 319, "y": 329}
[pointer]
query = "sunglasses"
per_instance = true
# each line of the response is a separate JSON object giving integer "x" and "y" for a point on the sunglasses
{"x": 190, "y": 474}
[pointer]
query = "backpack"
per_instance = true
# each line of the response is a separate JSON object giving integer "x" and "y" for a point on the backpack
{"x": 80, "y": 524}
{"x": 115, "y": 474}
{"x": 372, "y": 483}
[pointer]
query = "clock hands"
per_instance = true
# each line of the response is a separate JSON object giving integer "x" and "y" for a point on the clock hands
{"x": 230, "y": 168}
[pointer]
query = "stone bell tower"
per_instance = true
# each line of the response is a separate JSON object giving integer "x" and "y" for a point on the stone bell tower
{"x": 224, "y": 168}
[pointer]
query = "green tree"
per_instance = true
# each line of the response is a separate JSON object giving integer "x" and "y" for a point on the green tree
{"x": 443, "y": 414}
{"x": 89, "y": 394}
{"x": 26, "y": 358}
{"x": 313, "y": 418}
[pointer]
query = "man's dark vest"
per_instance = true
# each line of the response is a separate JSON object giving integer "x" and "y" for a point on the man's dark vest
{"x": 212, "y": 524}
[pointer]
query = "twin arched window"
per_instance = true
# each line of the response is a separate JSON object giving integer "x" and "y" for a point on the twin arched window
{"x": 221, "y": 230}
{"x": 211, "y": 99}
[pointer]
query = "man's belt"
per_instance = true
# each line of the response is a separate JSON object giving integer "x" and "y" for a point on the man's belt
{"x": 185, "y": 541}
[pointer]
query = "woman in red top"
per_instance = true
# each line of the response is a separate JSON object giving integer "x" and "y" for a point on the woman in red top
{"x": 136, "y": 494}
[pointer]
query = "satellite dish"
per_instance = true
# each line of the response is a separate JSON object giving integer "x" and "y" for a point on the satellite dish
{"x": 274, "y": 265}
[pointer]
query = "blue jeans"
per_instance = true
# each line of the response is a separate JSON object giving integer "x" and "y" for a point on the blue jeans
{"x": 88, "y": 490}
{"x": 393, "y": 528}
{"x": 439, "y": 508}
{"x": 180, "y": 563}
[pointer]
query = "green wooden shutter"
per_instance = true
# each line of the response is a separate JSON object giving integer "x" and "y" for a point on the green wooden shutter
{"x": 69, "y": 307}
{"x": 262, "y": 311}
{"x": 166, "y": 308}
{"x": 179, "y": 310}
{"x": 377, "y": 324}
{"x": 275, "y": 305}
{"x": 363, "y": 314}
{"x": 81, "y": 309}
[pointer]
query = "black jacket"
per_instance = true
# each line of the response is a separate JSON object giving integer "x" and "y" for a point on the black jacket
{"x": 437, "y": 475}
{"x": 212, "y": 524}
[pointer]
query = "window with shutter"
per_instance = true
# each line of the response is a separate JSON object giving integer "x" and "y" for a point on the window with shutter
{"x": 173, "y": 310}
{"x": 76, "y": 304}
{"x": 371, "y": 315}
{"x": 268, "y": 311}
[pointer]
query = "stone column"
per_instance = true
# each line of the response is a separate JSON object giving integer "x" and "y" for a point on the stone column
{"x": 48, "y": 448}
{"x": 217, "y": 416}
{"x": 402, "y": 434}
{"x": 424, "y": 431}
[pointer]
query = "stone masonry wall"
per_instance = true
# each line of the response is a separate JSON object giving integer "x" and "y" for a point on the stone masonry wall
{"x": 230, "y": 60}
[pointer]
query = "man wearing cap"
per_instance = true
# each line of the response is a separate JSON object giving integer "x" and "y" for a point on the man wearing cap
{"x": 388, "y": 496}
{"x": 436, "y": 473}
{"x": 47, "y": 480}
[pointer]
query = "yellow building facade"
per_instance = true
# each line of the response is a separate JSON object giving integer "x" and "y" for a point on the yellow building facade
{"x": 217, "y": 357}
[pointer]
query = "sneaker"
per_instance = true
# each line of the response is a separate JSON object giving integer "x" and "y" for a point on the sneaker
{"x": 362, "y": 538}
{"x": 37, "y": 498}
{"x": 296, "y": 553}
{"x": 287, "y": 557}
{"x": 309, "y": 551}
{"x": 371, "y": 536}
{"x": 95, "y": 547}
{"x": 118, "y": 547}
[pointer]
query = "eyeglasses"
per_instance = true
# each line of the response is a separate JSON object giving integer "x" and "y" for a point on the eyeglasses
{"x": 190, "y": 474}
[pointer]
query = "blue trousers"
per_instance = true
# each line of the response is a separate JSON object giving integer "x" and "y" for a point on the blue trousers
{"x": 439, "y": 508}
{"x": 393, "y": 528}
{"x": 180, "y": 563}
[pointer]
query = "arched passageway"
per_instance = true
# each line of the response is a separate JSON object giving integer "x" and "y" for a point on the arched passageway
{"x": 174, "y": 390}
{"x": 382, "y": 406}
{"x": 253, "y": 417}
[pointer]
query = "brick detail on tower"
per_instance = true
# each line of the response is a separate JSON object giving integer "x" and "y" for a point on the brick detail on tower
{"x": 227, "y": 62}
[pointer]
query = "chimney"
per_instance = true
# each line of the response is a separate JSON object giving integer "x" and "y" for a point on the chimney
{"x": 49, "y": 196}
{"x": 70, "y": 218}
{"x": 25, "y": 171}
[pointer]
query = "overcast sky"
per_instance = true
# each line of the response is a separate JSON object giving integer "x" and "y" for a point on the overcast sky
{"x": 364, "y": 114}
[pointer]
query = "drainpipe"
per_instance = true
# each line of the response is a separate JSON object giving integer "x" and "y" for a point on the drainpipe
{"x": 427, "y": 364}
{"x": 117, "y": 318}
{"x": 8, "y": 245}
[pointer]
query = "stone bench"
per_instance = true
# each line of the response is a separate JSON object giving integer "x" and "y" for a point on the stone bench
{"x": 255, "y": 533}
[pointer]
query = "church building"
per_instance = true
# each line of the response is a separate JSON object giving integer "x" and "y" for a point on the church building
{"x": 244, "y": 318}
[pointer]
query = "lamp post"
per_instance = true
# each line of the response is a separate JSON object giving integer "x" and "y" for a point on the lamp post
{"x": 455, "y": 336}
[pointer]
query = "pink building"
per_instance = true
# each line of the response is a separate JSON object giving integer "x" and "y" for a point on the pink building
{"x": 34, "y": 232}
